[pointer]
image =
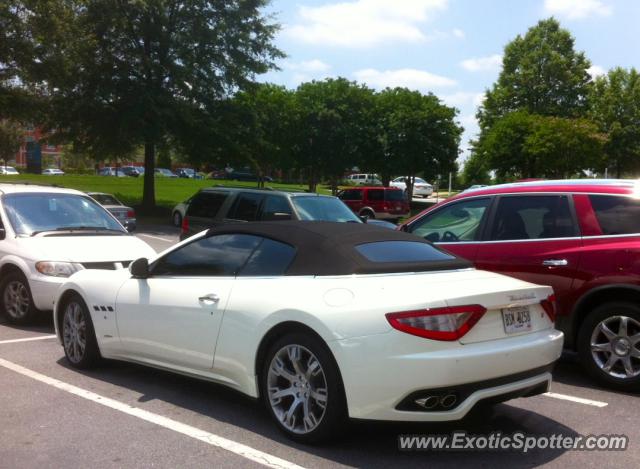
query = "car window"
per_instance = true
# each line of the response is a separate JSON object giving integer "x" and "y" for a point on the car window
{"x": 206, "y": 204}
{"x": 30, "y": 213}
{"x": 401, "y": 251}
{"x": 276, "y": 208}
{"x": 105, "y": 199}
{"x": 221, "y": 255}
{"x": 246, "y": 206}
{"x": 533, "y": 217}
{"x": 394, "y": 196}
{"x": 616, "y": 215}
{"x": 270, "y": 258}
{"x": 375, "y": 195}
{"x": 316, "y": 208}
{"x": 351, "y": 194}
{"x": 453, "y": 223}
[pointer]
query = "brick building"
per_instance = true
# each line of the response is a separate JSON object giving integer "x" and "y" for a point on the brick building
{"x": 34, "y": 134}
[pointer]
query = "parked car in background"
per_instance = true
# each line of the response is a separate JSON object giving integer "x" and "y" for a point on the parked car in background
{"x": 8, "y": 171}
{"x": 52, "y": 172}
{"x": 386, "y": 203}
{"x": 125, "y": 215}
{"x": 420, "y": 186}
{"x": 246, "y": 176}
{"x": 213, "y": 207}
{"x": 179, "y": 211}
{"x": 163, "y": 172}
{"x": 324, "y": 321}
{"x": 47, "y": 234}
{"x": 131, "y": 171}
{"x": 582, "y": 237}
{"x": 188, "y": 173}
{"x": 111, "y": 171}
{"x": 363, "y": 180}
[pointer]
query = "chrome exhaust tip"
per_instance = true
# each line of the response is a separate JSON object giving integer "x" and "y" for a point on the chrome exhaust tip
{"x": 448, "y": 401}
{"x": 428, "y": 402}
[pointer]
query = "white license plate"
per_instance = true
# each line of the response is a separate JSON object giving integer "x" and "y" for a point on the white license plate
{"x": 516, "y": 319}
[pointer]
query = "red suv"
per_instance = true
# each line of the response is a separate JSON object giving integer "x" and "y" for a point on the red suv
{"x": 385, "y": 203}
{"x": 582, "y": 237}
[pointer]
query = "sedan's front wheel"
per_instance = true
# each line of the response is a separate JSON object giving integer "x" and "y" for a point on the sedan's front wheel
{"x": 78, "y": 336}
{"x": 302, "y": 388}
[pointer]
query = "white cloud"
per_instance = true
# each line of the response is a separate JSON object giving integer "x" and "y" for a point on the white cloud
{"x": 463, "y": 98}
{"x": 459, "y": 33}
{"x": 483, "y": 64}
{"x": 577, "y": 9}
{"x": 309, "y": 66}
{"x": 364, "y": 23}
{"x": 405, "y": 78}
{"x": 596, "y": 71}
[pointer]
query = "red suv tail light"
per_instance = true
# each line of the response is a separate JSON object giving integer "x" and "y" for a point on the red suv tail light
{"x": 549, "y": 306}
{"x": 185, "y": 225}
{"x": 131, "y": 214}
{"x": 449, "y": 323}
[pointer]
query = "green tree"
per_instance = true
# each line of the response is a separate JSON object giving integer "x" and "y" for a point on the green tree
{"x": 267, "y": 123}
{"x": 615, "y": 106}
{"x": 11, "y": 136}
{"x": 119, "y": 74}
{"x": 419, "y": 135}
{"x": 542, "y": 74}
{"x": 522, "y": 145}
{"x": 475, "y": 171}
{"x": 335, "y": 127}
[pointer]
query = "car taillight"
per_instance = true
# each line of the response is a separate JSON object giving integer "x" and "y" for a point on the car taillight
{"x": 549, "y": 306}
{"x": 185, "y": 225}
{"x": 449, "y": 323}
{"x": 131, "y": 214}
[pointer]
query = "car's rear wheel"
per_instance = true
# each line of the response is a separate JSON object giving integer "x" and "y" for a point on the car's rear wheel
{"x": 17, "y": 301}
{"x": 302, "y": 389}
{"x": 78, "y": 336}
{"x": 609, "y": 345}
{"x": 177, "y": 219}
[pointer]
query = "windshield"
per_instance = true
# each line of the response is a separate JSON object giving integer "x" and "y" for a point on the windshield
{"x": 105, "y": 199}
{"x": 323, "y": 209}
{"x": 37, "y": 212}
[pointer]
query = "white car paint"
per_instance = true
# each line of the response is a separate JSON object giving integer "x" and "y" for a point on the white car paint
{"x": 24, "y": 252}
{"x": 162, "y": 323}
{"x": 420, "y": 186}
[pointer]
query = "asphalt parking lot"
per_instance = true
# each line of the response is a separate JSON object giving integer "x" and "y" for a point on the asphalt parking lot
{"x": 124, "y": 415}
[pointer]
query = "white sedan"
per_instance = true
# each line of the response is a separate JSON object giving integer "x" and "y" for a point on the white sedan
{"x": 420, "y": 186}
{"x": 323, "y": 321}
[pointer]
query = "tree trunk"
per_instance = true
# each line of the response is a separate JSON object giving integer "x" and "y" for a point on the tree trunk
{"x": 149, "y": 189}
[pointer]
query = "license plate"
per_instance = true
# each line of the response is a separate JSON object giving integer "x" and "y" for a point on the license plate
{"x": 516, "y": 319}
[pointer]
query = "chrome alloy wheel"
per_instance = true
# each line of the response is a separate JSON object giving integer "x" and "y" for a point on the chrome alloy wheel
{"x": 614, "y": 346}
{"x": 74, "y": 332}
{"x": 297, "y": 389}
{"x": 16, "y": 299}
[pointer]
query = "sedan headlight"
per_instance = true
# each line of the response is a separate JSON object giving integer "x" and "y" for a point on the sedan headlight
{"x": 56, "y": 269}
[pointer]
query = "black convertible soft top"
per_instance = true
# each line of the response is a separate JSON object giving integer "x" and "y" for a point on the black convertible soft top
{"x": 329, "y": 248}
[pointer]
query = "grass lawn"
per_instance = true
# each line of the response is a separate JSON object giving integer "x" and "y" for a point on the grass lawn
{"x": 169, "y": 191}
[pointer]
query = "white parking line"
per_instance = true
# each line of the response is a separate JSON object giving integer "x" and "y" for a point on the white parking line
{"x": 28, "y": 339}
{"x": 157, "y": 237}
{"x": 578, "y": 400}
{"x": 214, "y": 440}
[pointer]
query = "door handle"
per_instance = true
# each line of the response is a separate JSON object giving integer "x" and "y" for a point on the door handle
{"x": 555, "y": 262}
{"x": 211, "y": 297}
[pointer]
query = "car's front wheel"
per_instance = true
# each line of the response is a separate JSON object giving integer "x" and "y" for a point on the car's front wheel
{"x": 78, "y": 336}
{"x": 609, "y": 345}
{"x": 17, "y": 301}
{"x": 302, "y": 389}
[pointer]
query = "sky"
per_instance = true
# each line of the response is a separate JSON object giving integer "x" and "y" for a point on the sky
{"x": 452, "y": 48}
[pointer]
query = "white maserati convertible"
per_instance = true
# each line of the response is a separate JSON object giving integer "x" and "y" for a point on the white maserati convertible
{"x": 323, "y": 321}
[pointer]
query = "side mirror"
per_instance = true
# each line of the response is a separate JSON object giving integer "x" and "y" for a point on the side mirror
{"x": 3, "y": 234}
{"x": 139, "y": 268}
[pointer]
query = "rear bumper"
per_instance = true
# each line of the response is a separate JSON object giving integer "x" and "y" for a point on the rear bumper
{"x": 381, "y": 371}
